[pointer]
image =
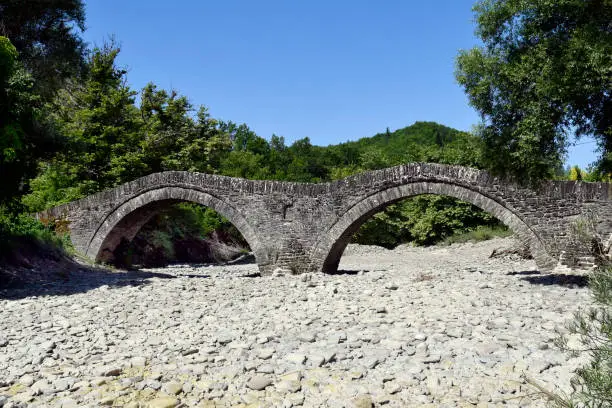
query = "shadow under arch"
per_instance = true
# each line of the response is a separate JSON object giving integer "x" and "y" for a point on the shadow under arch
{"x": 124, "y": 221}
{"x": 329, "y": 248}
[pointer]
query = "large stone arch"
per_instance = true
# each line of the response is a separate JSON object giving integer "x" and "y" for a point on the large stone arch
{"x": 329, "y": 248}
{"x": 125, "y": 220}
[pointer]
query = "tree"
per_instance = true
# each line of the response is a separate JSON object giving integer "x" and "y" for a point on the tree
{"x": 245, "y": 164}
{"x": 576, "y": 174}
{"x": 9, "y": 134}
{"x": 46, "y": 35}
{"x": 374, "y": 159}
{"x": 543, "y": 71}
{"x": 244, "y": 139}
{"x": 174, "y": 140}
{"x": 278, "y": 160}
{"x": 40, "y": 49}
{"x": 23, "y": 136}
{"x": 101, "y": 129}
{"x": 306, "y": 162}
{"x": 109, "y": 140}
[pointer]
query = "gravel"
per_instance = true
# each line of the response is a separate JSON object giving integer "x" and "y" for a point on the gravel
{"x": 444, "y": 326}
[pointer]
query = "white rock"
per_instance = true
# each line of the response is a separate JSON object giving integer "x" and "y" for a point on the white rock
{"x": 26, "y": 380}
{"x": 266, "y": 353}
{"x": 296, "y": 358}
{"x": 259, "y": 382}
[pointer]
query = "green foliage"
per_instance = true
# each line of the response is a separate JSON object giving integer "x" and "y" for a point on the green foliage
{"x": 56, "y": 184}
{"x": 162, "y": 241}
{"x": 576, "y": 174}
{"x": 387, "y": 228}
{"x": 480, "y": 233}
{"x": 424, "y": 220}
{"x": 420, "y": 142}
{"x": 47, "y": 35}
{"x": 10, "y": 133}
{"x": 189, "y": 219}
{"x": 593, "y": 381}
{"x": 245, "y": 164}
{"x": 40, "y": 49}
{"x": 250, "y": 154}
{"x": 23, "y": 138}
{"x": 596, "y": 174}
{"x": 373, "y": 159}
{"x": 108, "y": 140}
{"x": 591, "y": 330}
{"x": 100, "y": 123}
{"x": 591, "y": 174}
{"x": 15, "y": 229}
{"x": 8, "y": 58}
{"x": 173, "y": 140}
{"x": 543, "y": 69}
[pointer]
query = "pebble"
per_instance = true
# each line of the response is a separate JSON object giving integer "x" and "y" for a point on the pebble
{"x": 296, "y": 358}
{"x": 259, "y": 382}
{"x": 384, "y": 336}
{"x": 362, "y": 401}
{"x": 106, "y": 401}
{"x": 163, "y": 402}
{"x": 27, "y": 380}
{"x": 173, "y": 387}
{"x": 265, "y": 354}
{"x": 138, "y": 362}
{"x": 266, "y": 369}
{"x": 109, "y": 371}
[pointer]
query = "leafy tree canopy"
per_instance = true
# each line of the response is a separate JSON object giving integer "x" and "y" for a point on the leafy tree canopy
{"x": 545, "y": 69}
{"x": 23, "y": 139}
{"x": 47, "y": 35}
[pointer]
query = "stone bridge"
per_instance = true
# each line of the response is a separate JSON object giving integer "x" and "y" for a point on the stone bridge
{"x": 306, "y": 227}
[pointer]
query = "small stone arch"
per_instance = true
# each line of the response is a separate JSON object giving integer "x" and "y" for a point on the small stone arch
{"x": 125, "y": 220}
{"x": 328, "y": 250}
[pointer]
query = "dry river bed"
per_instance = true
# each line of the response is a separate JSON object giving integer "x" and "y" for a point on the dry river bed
{"x": 438, "y": 327}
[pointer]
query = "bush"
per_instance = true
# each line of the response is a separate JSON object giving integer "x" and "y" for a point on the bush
{"x": 423, "y": 220}
{"x": 19, "y": 229}
{"x": 480, "y": 233}
{"x": 592, "y": 383}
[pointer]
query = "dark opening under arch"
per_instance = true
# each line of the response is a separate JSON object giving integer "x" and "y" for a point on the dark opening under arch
{"x": 124, "y": 222}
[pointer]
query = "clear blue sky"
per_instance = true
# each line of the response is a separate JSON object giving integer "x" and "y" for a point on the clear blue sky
{"x": 332, "y": 70}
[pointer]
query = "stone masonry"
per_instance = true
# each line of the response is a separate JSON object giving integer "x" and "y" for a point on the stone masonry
{"x": 305, "y": 227}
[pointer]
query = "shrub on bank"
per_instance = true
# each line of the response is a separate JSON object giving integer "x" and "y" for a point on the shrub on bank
{"x": 593, "y": 382}
{"x": 480, "y": 233}
{"x": 21, "y": 232}
{"x": 592, "y": 328}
